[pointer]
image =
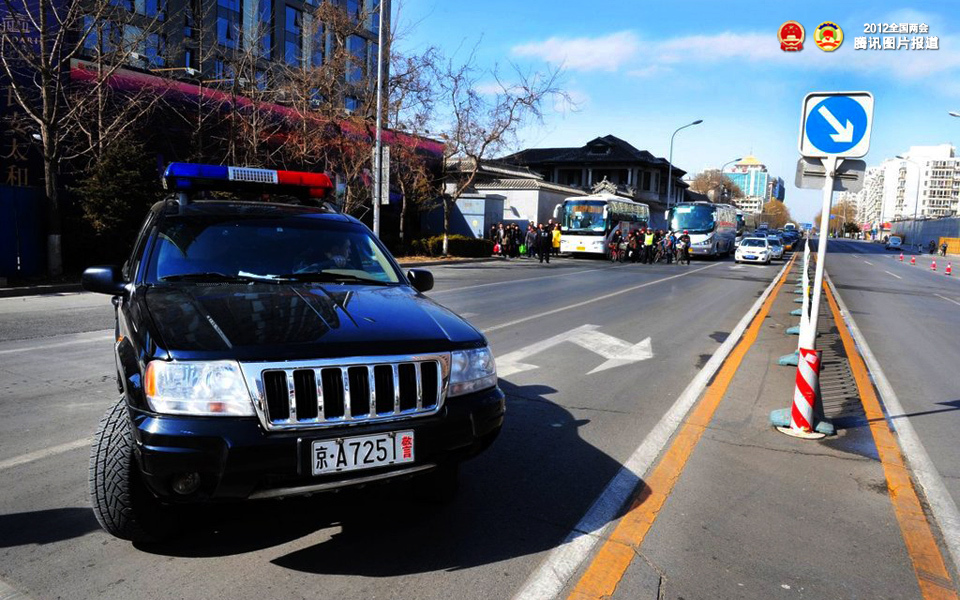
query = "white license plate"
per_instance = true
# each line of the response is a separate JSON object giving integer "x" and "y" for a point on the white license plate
{"x": 362, "y": 452}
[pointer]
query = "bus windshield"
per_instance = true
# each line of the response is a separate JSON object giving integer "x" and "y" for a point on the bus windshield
{"x": 694, "y": 218}
{"x": 584, "y": 215}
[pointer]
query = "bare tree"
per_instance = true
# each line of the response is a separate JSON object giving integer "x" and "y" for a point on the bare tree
{"x": 411, "y": 102}
{"x": 715, "y": 184}
{"x": 477, "y": 126}
{"x": 776, "y": 214}
{"x": 35, "y": 57}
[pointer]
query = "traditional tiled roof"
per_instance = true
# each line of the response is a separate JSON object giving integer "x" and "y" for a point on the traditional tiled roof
{"x": 608, "y": 149}
{"x": 531, "y": 184}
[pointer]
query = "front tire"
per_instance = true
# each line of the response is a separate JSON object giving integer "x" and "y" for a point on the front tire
{"x": 123, "y": 505}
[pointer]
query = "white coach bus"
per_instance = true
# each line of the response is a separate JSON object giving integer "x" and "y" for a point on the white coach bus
{"x": 587, "y": 223}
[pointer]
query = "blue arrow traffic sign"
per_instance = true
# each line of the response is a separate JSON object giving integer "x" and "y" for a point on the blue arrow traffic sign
{"x": 836, "y": 124}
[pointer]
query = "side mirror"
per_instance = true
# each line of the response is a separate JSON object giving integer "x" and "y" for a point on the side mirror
{"x": 556, "y": 211}
{"x": 420, "y": 279}
{"x": 104, "y": 280}
{"x": 666, "y": 215}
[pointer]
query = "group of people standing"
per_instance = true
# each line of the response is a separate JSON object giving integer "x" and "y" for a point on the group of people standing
{"x": 644, "y": 244}
{"x": 541, "y": 241}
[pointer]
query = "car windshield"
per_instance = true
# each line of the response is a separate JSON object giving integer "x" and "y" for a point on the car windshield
{"x": 694, "y": 218}
{"x": 753, "y": 243}
{"x": 774, "y": 241}
{"x": 894, "y": 240}
{"x": 585, "y": 215}
{"x": 224, "y": 248}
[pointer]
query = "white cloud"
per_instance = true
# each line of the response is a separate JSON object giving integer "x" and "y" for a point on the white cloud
{"x": 603, "y": 53}
{"x": 650, "y": 71}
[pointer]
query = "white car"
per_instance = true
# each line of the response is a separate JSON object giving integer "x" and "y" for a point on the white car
{"x": 894, "y": 243}
{"x": 754, "y": 250}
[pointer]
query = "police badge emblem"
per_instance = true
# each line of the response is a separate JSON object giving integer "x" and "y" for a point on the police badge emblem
{"x": 791, "y": 36}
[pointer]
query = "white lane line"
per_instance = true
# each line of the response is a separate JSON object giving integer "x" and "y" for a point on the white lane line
{"x": 562, "y": 563}
{"x": 893, "y": 274}
{"x": 87, "y": 340}
{"x": 592, "y": 300}
{"x": 510, "y": 281}
{"x": 41, "y": 454}
{"x": 947, "y": 299}
{"x": 868, "y": 262}
{"x": 941, "y": 503}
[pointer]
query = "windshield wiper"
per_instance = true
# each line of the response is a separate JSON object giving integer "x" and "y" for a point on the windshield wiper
{"x": 215, "y": 276}
{"x": 325, "y": 277}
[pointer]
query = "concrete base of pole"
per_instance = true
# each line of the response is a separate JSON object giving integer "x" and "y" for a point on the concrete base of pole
{"x": 789, "y": 360}
{"x": 798, "y": 291}
{"x": 780, "y": 418}
{"x": 797, "y": 312}
{"x": 793, "y": 330}
{"x": 798, "y": 300}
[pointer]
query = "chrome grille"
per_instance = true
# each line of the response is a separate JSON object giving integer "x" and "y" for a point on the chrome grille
{"x": 305, "y": 394}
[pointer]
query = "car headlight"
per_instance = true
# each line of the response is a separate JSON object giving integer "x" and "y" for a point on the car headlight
{"x": 197, "y": 388}
{"x": 471, "y": 371}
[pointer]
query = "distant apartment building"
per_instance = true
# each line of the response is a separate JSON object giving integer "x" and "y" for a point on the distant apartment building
{"x": 776, "y": 189}
{"x": 752, "y": 178}
{"x": 924, "y": 182}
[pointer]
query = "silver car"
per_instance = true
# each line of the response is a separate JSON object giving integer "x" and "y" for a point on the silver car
{"x": 776, "y": 246}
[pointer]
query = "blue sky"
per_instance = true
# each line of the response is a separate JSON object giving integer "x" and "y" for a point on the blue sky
{"x": 640, "y": 69}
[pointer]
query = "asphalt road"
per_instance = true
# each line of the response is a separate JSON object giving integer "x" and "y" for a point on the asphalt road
{"x": 910, "y": 317}
{"x": 568, "y": 431}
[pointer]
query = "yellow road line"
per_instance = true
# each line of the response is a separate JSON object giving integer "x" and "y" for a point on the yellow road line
{"x": 608, "y": 566}
{"x": 932, "y": 575}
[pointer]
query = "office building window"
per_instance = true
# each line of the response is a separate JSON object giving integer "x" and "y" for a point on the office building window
{"x": 293, "y": 37}
{"x": 229, "y": 19}
{"x": 265, "y": 10}
{"x": 155, "y": 50}
{"x": 351, "y": 103}
{"x": 156, "y": 9}
{"x": 356, "y": 59}
{"x": 353, "y": 9}
{"x": 319, "y": 45}
{"x": 647, "y": 181}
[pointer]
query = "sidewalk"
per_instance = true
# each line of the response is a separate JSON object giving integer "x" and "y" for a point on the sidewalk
{"x": 758, "y": 514}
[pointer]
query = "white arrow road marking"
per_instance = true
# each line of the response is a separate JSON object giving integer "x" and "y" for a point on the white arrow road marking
{"x": 616, "y": 351}
{"x": 843, "y": 134}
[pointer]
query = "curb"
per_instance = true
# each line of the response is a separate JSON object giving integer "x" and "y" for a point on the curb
{"x": 37, "y": 290}
{"x": 454, "y": 261}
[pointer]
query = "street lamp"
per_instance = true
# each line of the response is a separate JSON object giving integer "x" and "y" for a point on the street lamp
{"x": 670, "y": 160}
{"x": 723, "y": 188}
{"x": 916, "y": 203}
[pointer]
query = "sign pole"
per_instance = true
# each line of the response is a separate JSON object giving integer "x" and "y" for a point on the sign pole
{"x": 809, "y": 336}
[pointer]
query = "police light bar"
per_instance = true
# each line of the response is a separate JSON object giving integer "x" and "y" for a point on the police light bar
{"x": 192, "y": 177}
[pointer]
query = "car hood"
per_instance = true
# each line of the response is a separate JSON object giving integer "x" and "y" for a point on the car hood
{"x": 268, "y": 321}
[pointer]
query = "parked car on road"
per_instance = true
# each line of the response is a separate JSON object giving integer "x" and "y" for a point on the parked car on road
{"x": 754, "y": 249}
{"x": 894, "y": 243}
{"x": 272, "y": 349}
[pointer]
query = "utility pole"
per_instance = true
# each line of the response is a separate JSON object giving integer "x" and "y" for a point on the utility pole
{"x": 378, "y": 146}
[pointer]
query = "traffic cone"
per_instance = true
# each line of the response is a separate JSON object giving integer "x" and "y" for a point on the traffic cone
{"x": 949, "y": 270}
{"x": 901, "y": 257}
{"x": 933, "y": 265}
{"x": 913, "y": 261}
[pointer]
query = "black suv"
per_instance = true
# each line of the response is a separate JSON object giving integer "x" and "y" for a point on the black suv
{"x": 267, "y": 350}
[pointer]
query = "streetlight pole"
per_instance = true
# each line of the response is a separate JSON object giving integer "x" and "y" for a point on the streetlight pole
{"x": 378, "y": 151}
{"x": 723, "y": 188}
{"x": 670, "y": 160}
{"x": 916, "y": 203}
